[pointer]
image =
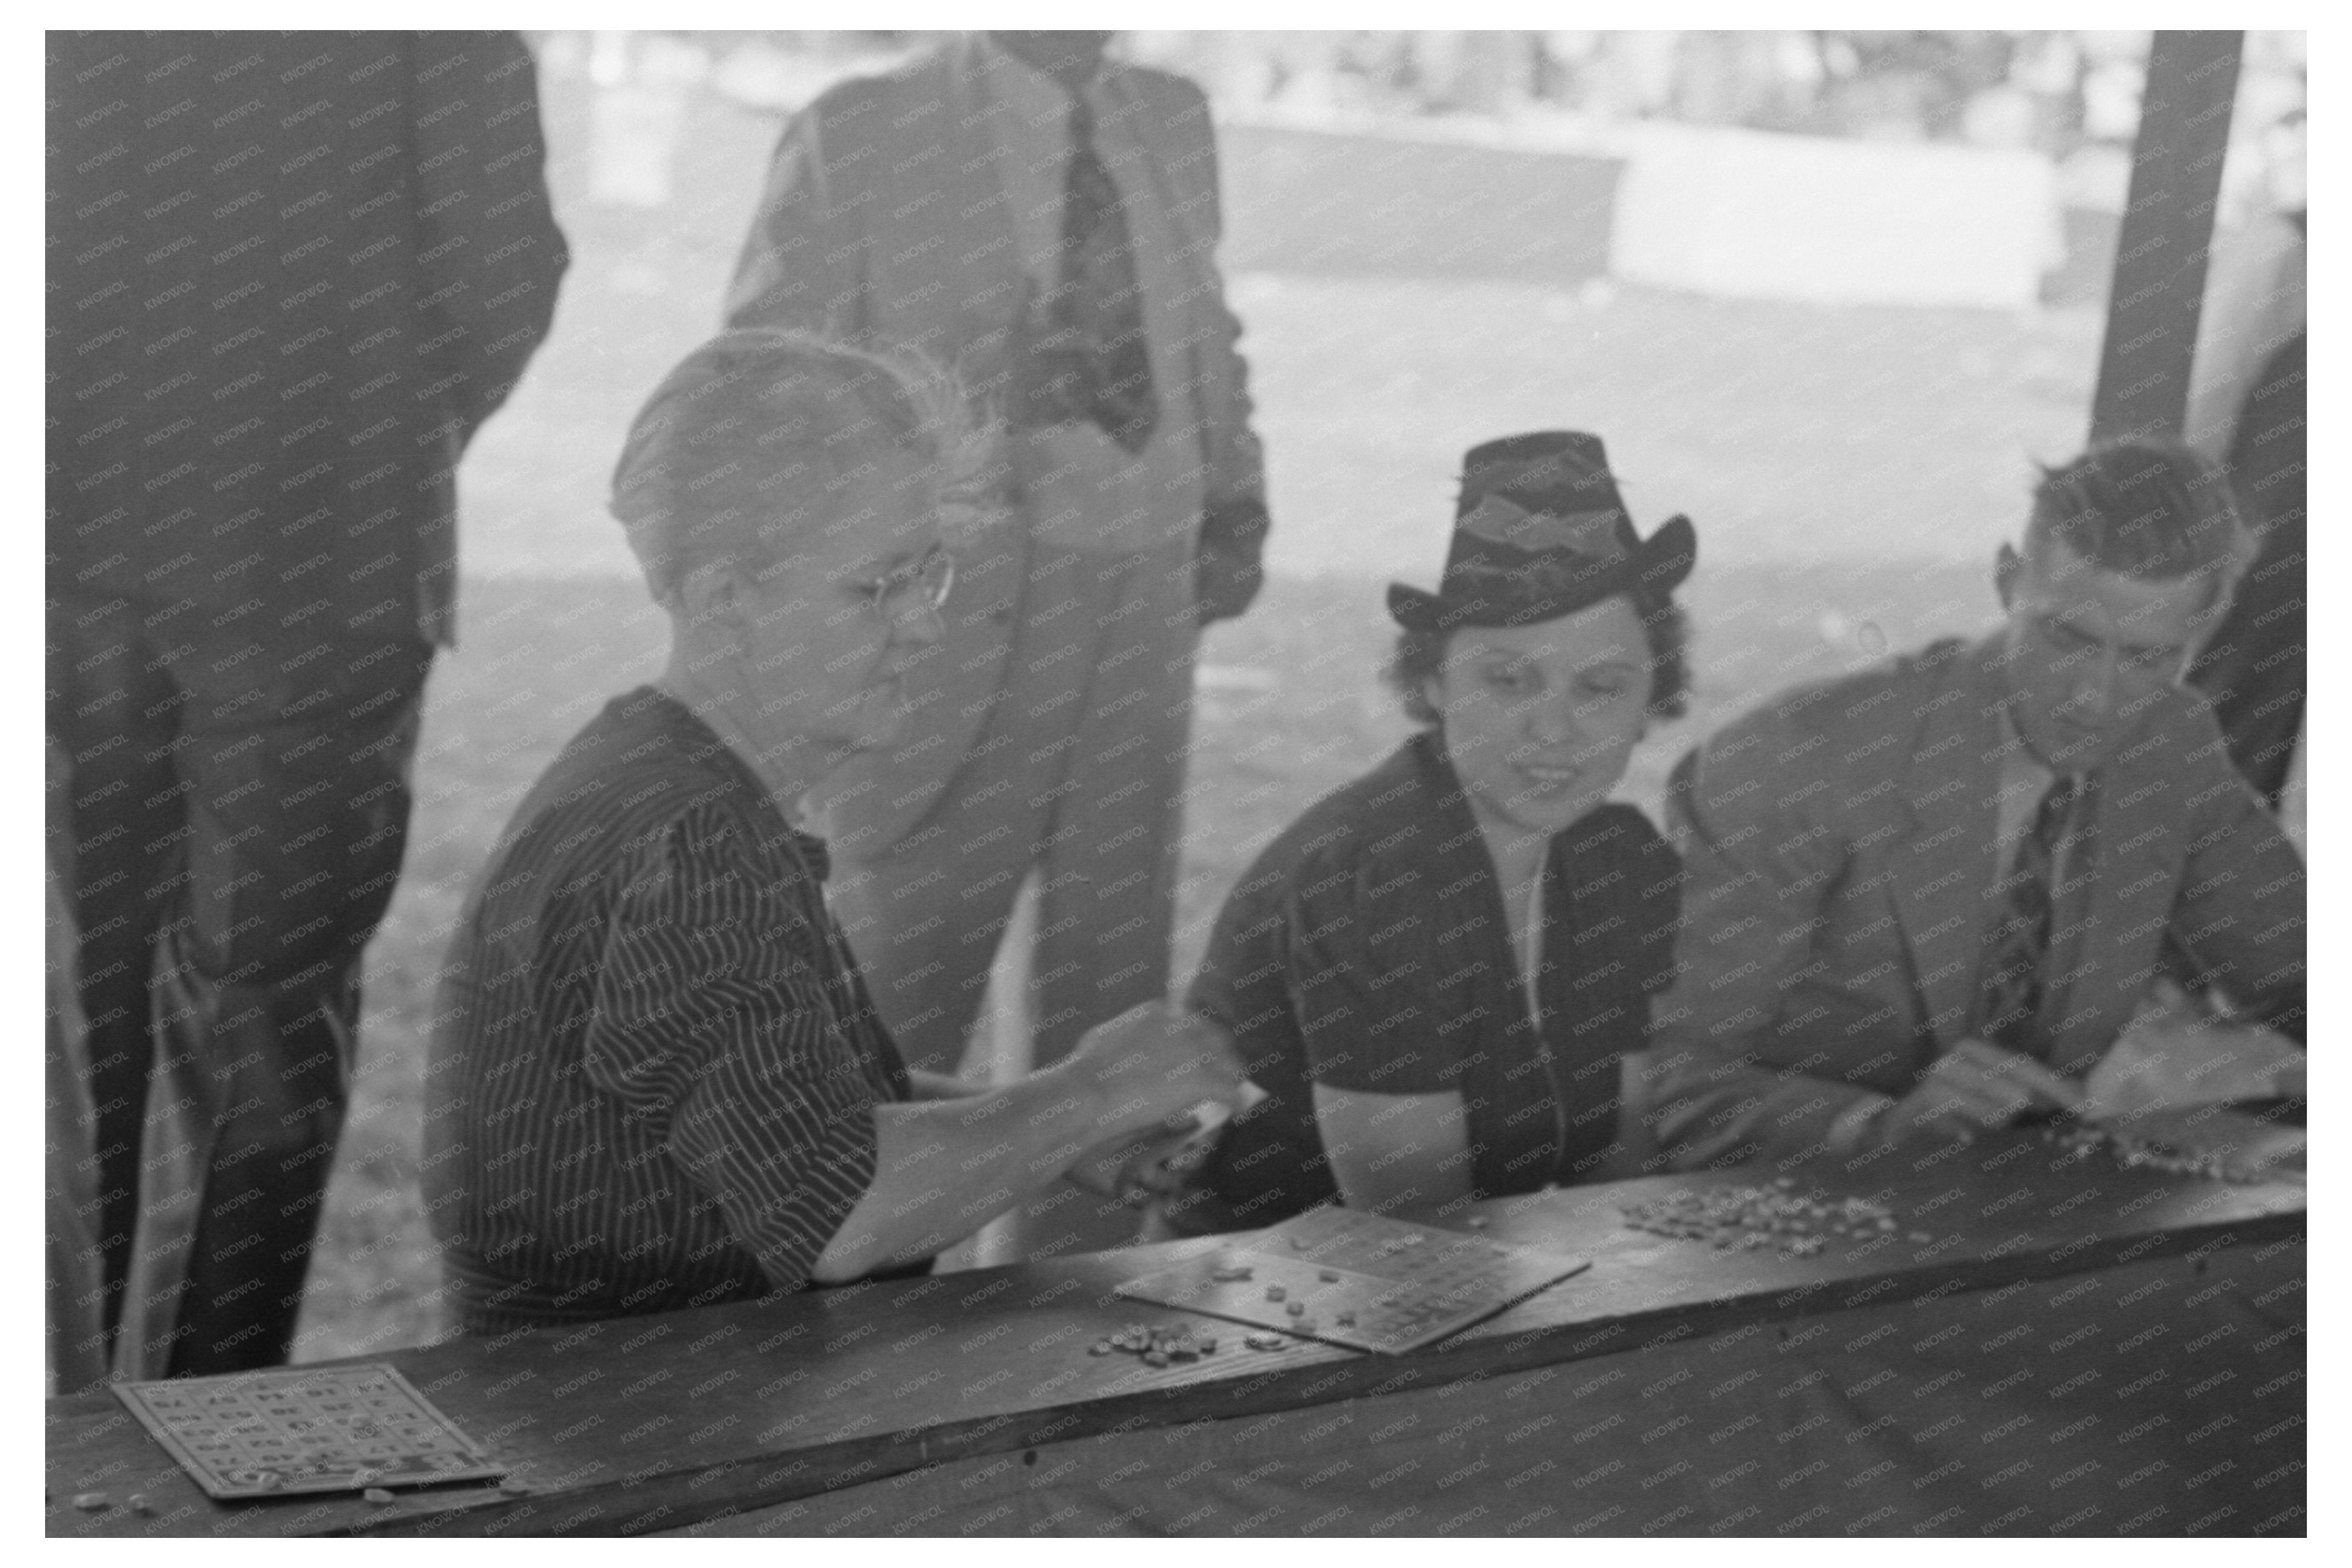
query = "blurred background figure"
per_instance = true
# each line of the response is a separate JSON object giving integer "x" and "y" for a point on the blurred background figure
{"x": 1047, "y": 222}
{"x": 2248, "y": 408}
{"x": 74, "y": 1277}
{"x": 340, "y": 256}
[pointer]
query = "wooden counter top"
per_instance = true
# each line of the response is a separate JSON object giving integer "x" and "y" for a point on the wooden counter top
{"x": 651, "y": 1423}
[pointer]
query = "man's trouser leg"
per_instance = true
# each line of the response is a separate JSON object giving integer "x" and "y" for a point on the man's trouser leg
{"x": 1107, "y": 867}
{"x": 77, "y": 1277}
{"x": 924, "y": 918}
{"x": 289, "y": 774}
{"x": 112, "y": 708}
{"x": 1076, "y": 774}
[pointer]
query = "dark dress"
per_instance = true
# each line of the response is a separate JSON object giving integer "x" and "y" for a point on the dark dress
{"x": 1367, "y": 949}
{"x": 654, "y": 1064}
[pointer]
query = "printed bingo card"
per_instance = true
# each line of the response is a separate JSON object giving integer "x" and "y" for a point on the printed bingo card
{"x": 1357, "y": 1280}
{"x": 305, "y": 1429}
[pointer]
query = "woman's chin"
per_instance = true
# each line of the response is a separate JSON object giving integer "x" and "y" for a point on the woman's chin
{"x": 1545, "y": 814}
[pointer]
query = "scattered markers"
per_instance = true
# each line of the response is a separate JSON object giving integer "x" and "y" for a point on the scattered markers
{"x": 1157, "y": 1344}
{"x": 2080, "y": 1141}
{"x": 1751, "y": 1218}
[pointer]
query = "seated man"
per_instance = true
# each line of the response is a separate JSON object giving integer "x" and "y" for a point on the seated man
{"x": 1927, "y": 900}
{"x": 656, "y": 1078}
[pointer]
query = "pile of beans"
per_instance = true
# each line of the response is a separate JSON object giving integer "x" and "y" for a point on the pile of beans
{"x": 1157, "y": 1343}
{"x": 2083, "y": 1140}
{"x": 1750, "y": 1218}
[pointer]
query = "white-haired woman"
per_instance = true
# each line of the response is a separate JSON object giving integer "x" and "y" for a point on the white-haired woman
{"x": 657, "y": 1080}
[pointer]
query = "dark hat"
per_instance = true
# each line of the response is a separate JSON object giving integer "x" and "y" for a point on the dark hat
{"x": 1539, "y": 532}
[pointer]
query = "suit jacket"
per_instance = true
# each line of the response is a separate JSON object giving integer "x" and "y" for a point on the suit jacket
{"x": 886, "y": 222}
{"x": 1839, "y": 846}
{"x": 289, "y": 276}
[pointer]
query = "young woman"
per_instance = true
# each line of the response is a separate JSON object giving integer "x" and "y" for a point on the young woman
{"x": 1435, "y": 974}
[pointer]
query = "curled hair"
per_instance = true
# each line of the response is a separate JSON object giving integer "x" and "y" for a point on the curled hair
{"x": 748, "y": 445}
{"x": 1418, "y": 658}
{"x": 2150, "y": 510}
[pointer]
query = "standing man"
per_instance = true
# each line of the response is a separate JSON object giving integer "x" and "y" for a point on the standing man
{"x": 1931, "y": 897}
{"x": 289, "y": 276}
{"x": 1044, "y": 221}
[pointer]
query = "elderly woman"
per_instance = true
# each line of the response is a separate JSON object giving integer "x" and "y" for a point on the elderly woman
{"x": 657, "y": 1080}
{"x": 1435, "y": 974}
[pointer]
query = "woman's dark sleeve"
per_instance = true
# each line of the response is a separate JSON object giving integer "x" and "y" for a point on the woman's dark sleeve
{"x": 1658, "y": 901}
{"x": 709, "y": 1013}
{"x": 1359, "y": 963}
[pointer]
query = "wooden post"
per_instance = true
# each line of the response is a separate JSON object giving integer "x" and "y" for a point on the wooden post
{"x": 2167, "y": 229}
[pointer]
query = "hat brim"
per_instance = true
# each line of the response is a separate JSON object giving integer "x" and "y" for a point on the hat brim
{"x": 1659, "y": 566}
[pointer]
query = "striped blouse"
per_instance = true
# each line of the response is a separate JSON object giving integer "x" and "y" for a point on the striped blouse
{"x": 654, "y": 1064}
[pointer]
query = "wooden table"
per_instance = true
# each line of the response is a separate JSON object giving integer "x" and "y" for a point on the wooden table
{"x": 657, "y": 1422}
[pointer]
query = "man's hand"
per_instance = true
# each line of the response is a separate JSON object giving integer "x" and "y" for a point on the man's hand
{"x": 1224, "y": 584}
{"x": 1154, "y": 1063}
{"x": 2175, "y": 1052}
{"x": 1973, "y": 1087}
{"x": 1228, "y": 570}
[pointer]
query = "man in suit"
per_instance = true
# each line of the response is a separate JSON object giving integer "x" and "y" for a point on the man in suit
{"x": 289, "y": 276}
{"x": 1044, "y": 221}
{"x": 1931, "y": 897}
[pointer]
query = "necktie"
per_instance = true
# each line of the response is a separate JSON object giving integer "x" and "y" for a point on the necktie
{"x": 1097, "y": 363}
{"x": 2017, "y": 961}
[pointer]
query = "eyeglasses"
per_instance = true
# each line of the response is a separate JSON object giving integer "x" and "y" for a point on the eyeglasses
{"x": 933, "y": 571}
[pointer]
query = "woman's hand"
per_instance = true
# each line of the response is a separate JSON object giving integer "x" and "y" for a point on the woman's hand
{"x": 1134, "y": 1169}
{"x": 1152, "y": 1064}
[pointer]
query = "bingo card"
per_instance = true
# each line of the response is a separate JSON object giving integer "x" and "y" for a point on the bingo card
{"x": 1358, "y": 1279}
{"x": 305, "y": 1429}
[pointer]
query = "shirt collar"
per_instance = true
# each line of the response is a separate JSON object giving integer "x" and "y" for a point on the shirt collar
{"x": 703, "y": 744}
{"x": 2017, "y": 757}
{"x": 1033, "y": 97}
